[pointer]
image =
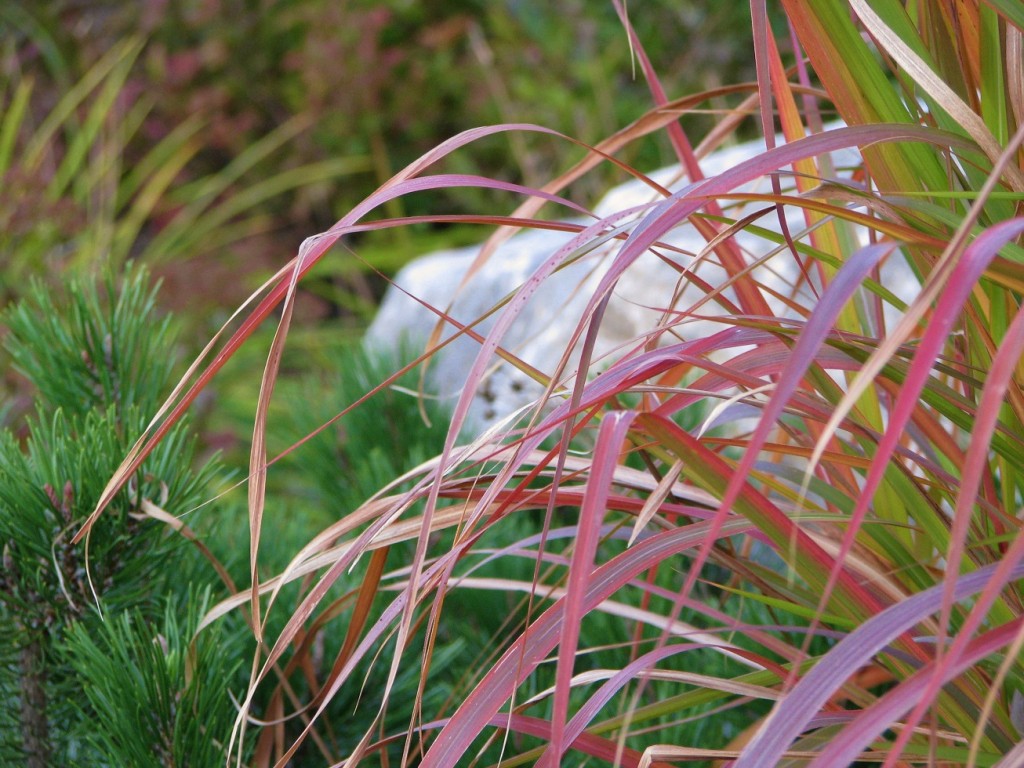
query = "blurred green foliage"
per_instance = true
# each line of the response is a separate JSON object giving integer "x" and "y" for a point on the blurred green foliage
{"x": 387, "y": 81}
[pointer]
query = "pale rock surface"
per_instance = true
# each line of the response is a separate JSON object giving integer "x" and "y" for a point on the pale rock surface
{"x": 540, "y": 334}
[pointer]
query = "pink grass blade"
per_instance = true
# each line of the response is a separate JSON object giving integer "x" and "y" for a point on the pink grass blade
{"x": 761, "y": 33}
{"x": 386, "y": 193}
{"x": 174, "y": 407}
{"x": 930, "y": 292}
{"x": 705, "y": 639}
{"x": 846, "y": 746}
{"x": 610, "y": 437}
{"x": 374, "y": 635}
{"x": 258, "y": 451}
{"x": 488, "y": 348}
{"x": 587, "y": 744}
{"x": 515, "y": 307}
{"x": 811, "y": 111}
{"x": 529, "y": 650}
{"x": 627, "y": 674}
{"x": 997, "y": 382}
{"x": 791, "y": 715}
{"x": 644, "y": 126}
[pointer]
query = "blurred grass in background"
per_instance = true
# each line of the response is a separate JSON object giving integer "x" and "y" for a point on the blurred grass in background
{"x": 367, "y": 85}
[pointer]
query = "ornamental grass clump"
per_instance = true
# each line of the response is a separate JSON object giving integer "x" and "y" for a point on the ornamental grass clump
{"x": 844, "y": 576}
